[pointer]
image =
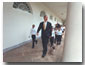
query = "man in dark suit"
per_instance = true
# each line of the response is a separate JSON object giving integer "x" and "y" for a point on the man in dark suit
{"x": 45, "y": 28}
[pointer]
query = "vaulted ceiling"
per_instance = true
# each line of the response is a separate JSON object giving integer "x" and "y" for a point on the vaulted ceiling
{"x": 59, "y": 8}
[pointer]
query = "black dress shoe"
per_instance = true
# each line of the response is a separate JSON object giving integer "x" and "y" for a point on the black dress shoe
{"x": 43, "y": 56}
{"x": 32, "y": 47}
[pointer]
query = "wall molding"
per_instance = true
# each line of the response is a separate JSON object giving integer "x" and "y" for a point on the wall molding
{"x": 18, "y": 45}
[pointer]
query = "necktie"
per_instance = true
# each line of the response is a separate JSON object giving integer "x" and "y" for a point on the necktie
{"x": 44, "y": 26}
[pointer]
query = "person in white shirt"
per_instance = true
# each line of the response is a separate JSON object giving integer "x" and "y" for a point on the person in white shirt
{"x": 55, "y": 35}
{"x": 33, "y": 35}
{"x": 56, "y": 28}
{"x": 59, "y": 36}
{"x": 52, "y": 37}
{"x": 63, "y": 28}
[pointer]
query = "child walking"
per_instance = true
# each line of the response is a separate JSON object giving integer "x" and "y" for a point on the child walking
{"x": 59, "y": 36}
{"x": 52, "y": 37}
{"x": 33, "y": 36}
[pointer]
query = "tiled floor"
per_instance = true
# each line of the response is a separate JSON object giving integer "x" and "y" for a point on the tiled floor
{"x": 26, "y": 54}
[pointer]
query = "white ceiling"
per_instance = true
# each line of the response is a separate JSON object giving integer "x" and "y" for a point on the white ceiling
{"x": 59, "y": 8}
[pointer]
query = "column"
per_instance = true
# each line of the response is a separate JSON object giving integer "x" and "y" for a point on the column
{"x": 73, "y": 36}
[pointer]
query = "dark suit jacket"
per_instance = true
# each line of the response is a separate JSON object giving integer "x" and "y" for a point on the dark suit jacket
{"x": 47, "y": 32}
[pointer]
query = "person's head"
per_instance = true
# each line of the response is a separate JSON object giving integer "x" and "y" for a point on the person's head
{"x": 33, "y": 26}
{"x": 64, "y": 25}
{"x": 45, "y": 18}
{"x": 59, "y": 28}
{"x": 56, "y": 28}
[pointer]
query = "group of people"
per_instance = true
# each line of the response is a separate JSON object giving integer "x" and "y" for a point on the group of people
{"x": 47, "y": 33}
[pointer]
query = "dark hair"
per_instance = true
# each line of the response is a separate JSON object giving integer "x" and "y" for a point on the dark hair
{"x": 33, "y": 25}
{"x": 58, "y": 25}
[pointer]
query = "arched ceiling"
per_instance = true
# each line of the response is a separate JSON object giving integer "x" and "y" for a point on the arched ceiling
{"x": 59, "y": 8}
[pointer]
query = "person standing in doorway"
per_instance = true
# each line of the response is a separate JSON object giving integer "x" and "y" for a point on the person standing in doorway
{"x": 45, "y": 28}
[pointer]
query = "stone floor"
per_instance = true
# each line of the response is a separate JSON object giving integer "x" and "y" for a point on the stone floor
{"x": 26, "y": 54}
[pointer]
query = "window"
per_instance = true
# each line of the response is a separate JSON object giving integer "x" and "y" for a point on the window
{"x": 51, "y": 17}
{"x": 42, "y": 13}
{"x": 23, "y": 6}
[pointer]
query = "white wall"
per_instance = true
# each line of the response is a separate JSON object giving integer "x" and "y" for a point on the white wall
{"x": 17, "y": 23}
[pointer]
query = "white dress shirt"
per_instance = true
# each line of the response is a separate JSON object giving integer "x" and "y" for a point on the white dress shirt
{"x": 33, "y": 31}
{"x": 62, "y": 28}
{"x": 59, "y": 32}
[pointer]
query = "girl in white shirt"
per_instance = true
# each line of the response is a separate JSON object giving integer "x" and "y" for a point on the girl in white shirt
{"x": 33, "y": 35}
{"x": 52, "y": 37}
{"x": 59, "y": 36}
{"x": 63, "y": 28}
{"x": 55, "y": 35}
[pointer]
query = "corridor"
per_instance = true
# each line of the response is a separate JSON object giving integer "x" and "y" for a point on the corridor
{"x": 18, "y": 18}
{"x": 26, "y": 54}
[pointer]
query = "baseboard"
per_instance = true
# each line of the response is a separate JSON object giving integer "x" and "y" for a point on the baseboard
{"x": 16, "y": 46}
